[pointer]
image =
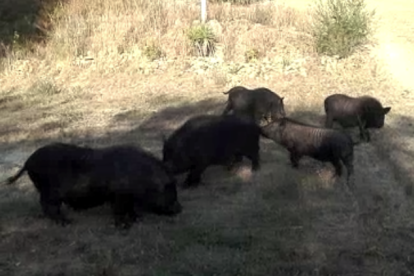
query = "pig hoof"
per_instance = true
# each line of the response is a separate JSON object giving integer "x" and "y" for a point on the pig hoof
{"x": 64, "y": 222}
{"x": 190, "y": 185}
{"x": 123, "y": 225}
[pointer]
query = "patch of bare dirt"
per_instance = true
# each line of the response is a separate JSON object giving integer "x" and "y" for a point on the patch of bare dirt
{"x": 396, "y": 39}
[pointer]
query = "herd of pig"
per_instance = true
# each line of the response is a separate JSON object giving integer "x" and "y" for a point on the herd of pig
{"x": 134, "y": 181}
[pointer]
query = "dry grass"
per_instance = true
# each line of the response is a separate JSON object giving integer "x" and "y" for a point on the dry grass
{"x": 92, "y": 84}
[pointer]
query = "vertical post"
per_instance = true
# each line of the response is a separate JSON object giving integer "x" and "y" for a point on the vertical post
{"x": 203, "y": 11}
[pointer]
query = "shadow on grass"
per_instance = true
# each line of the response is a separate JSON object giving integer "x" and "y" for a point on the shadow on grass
{"x": 143, "y": 127}
{"x": 230, "y": 225}
{"x": 23, "y": 22}
{"x": 279, "y": 221}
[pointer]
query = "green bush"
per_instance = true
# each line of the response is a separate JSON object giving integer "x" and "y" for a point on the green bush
{"x": 202, "y": 39}
{"x": 153, "y": 51}
{"x": 340, "y": 26}
{"x": 251, "y": 55}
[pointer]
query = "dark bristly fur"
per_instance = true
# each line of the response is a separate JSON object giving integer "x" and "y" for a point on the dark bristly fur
{"x": 127, "y": 176}
{"x": 211, "y": 140}
{"x": 326, "y": 145}
{"x": 364, "y": 112}
{"x": 176, "y": 138}
{"x": 254, "y": 104}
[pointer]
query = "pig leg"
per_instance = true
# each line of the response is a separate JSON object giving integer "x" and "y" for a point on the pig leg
{"x": 328, "y": 121}
{"x": 294, "y": 159}
{"x": 367, "y": 135}
{"x": 138, "y": 210}
{"x": 363, "y": 131}
{"x": 49, "y": 198}
{"x": 194, "y": 177}
{"x": 338, "y": 167}
{"x": 350, "y": 171}
{"x": 348, "y": 162}
{"x": 132, "y": 215}
{"x": 237, "y": 158}
{"x": 228, "y": 108}
{"x": 121, "y": 207}
{"x": 254, "y": 157}
{"x": 51, "y": 207}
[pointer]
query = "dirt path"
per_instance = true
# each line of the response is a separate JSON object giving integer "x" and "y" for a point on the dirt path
{"x": 396, "y": 48}
{"x": 376, "y": 239}
{"x": 396, "y": 39}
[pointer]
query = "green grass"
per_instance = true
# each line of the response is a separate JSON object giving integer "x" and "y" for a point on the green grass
{"x": 202, "y": 39}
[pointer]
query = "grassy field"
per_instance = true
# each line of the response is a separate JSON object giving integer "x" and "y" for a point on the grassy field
{"x": 92, "y": 84}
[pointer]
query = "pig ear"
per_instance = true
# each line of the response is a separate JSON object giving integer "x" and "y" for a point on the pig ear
{"x": 386, "y": 110}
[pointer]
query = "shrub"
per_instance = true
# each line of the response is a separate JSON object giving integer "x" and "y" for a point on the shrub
{"x": 202, "y": 39}
{"x": 340, "y": 26}
{"x": 251, "y": 55}
{"x": 152, "y": 51}
{"x": 45, "y": 87}
{"x": 262, "y": 15}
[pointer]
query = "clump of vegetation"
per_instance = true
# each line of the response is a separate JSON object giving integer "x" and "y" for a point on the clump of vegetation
{"x": 251, "y": 55}
{"x": 152, "y": 51}
{"x": 46, "y": 87}
{"x": 286, "y": 62}
{"x": 220, "y": 78}
{"x": 340, "y": 26}
{"x": 262, "y": 15}
{"x": 202, "y": 39}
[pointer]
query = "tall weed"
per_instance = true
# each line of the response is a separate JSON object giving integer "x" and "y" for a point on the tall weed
{"x": 202, "y": 39}
{"x": 340, "y": 26}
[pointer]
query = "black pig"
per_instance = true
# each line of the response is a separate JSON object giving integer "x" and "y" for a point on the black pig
{"x": 211, "y": 140}
{"x": 364, "y": 112}
{"x": 176, "y": 139}
{"x": 128, "y": 177}
{"x": 254, "y": 104}
{"x": 326, "y": 145}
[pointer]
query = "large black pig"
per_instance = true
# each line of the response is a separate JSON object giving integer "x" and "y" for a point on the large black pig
{"x": 364, "y": 112}
{"x": 256, "y": 104}
{"x": 323, "y": 144}
{"x": 211, "y": 140}
{"x": 175, "y": 141}
{"x": 128, "y": 177}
